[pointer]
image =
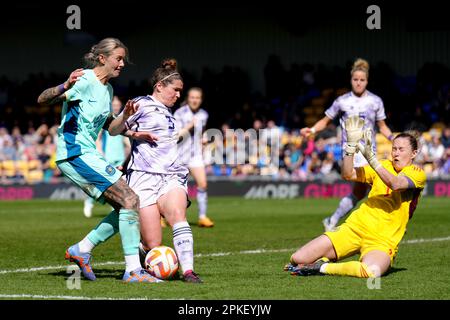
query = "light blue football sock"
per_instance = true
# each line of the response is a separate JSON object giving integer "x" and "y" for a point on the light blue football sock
{"x": 129, "y": 231}
{"x": 108, "y": 227}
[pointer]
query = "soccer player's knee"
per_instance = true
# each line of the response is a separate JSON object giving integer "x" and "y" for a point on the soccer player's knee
{"x": 295, "y": 258}
{"x": 371, "y": 271}
{"x": 176, "y": 215}
{"x": 152, "y": 243}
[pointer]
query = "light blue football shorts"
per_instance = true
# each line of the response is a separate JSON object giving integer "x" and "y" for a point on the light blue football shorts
{"x": 91, "y": 172}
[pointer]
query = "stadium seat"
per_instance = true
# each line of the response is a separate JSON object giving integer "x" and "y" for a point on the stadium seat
{"x": 9, "y": 168}
{"x": 309, "y": 110}
{"x": 34, "y": 176}
{"x": 326, "y": 93}
{"x": 426, "y": 136}
{"x": 21, "y": 167}
{"x": 318, "y": 102}
{"x": 381, "y": 139}
{"x": 438, "y": 126}
{"x": 428, "y": 168}
{"x": 311, "y": 120}
{"x": 341, "y": 91}
{"x": 34, "y": 173}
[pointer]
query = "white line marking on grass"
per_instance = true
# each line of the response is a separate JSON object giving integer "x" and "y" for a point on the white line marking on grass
{"x": 412, "y": 241}
{"x": 23, "y": 270}
{"x": 38, "y": 296}
{"x": 202, "y": 255}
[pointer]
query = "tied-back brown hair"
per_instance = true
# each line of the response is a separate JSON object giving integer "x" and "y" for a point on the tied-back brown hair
{"x": 166, "y": 73}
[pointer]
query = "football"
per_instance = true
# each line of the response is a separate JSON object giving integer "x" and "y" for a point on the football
{"x": 162, "y": 262}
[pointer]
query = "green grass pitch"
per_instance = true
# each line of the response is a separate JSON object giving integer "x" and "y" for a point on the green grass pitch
{"x": 242, "y": 257}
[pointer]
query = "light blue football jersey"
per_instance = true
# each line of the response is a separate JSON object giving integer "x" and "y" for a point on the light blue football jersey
{"x": 87, "y": 106}
{"x": 113, "y": 148}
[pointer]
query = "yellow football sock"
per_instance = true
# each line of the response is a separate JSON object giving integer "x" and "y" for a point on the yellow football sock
{"x": 351, "y": 268}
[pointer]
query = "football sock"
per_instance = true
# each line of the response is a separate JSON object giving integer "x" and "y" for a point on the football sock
{"x": 345, "y": 205}
{"x": 202, "y": 199}
{"x": 184, "y": 245}
{"x": 129, "y": 232}
{"x": 351, "y": 268}
{"x": 89, "y": 202}
{"x": 132, "y": 262}
{"x": 108, "y": 227}
{"x": 86, "y": 245}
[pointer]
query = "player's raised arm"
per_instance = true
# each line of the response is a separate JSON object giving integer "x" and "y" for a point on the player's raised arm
{"x": 317, "y": 127}
{"x": 56, "y": 94}
{"x": 403, "y": 152}
{"x": 118, "y": 125}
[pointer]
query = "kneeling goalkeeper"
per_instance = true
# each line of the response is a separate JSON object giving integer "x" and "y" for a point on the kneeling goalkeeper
{"x": 376, "y": 228}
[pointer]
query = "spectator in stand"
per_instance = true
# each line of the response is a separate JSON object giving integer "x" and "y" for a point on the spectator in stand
{"x": 4, "y": 135}
{"x": 9, "y": 151}
{"x": 293, "y": 158}
{"x": 445, "y": 138}
{"x": 436, "y": 153}
{"x": 445, "y": 169}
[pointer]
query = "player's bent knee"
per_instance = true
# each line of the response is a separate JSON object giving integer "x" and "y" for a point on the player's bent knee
{"x": 296, "y": 258}
{"x": 178, "y": 214}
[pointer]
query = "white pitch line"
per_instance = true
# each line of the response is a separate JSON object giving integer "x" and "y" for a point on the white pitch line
{"x": 53, "y": 267}
{"x": 38, "y": 296}
{"x": 412, "y": 241}
{"x": 202, "y": 255}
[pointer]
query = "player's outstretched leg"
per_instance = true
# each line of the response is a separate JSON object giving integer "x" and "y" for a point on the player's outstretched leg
{"x": 80, "y": 253}
{"x": 83, "y": 261}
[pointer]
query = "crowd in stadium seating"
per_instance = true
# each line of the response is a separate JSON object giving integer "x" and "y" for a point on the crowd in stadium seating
{"x": 30, "y": 157}
{"x": 421, "y": 102}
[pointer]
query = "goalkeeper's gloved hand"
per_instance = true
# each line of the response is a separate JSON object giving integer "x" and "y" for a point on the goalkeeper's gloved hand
{"x": 367, "y": 150}
{"x": 354, "y": 131}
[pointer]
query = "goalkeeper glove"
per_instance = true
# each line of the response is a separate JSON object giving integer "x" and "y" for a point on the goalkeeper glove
{"x": 367, "y": 150}
{"x": 354, "y": 131}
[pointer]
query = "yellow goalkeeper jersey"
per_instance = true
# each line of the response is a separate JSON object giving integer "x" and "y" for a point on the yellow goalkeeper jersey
{"x": 386, "y": 213}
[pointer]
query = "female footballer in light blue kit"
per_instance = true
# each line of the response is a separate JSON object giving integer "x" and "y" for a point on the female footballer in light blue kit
{"x": 113, "y": 148}
{"x": 86, "y": 98}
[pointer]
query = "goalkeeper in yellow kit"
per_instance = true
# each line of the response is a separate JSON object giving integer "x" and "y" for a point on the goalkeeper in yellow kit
{"x": 376, "y": 228}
